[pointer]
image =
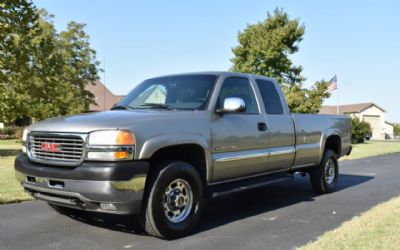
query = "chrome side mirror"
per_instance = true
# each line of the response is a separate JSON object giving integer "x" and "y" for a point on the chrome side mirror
{"x": 232, "y": 105}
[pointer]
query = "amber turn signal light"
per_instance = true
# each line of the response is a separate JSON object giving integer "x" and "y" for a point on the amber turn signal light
{"x": 125, "y": 138}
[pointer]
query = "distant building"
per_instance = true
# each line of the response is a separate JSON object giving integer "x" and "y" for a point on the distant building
{"x": 104, "y": 98}
{"x": 154, "y": 94}
{"x": 368, "y": 112}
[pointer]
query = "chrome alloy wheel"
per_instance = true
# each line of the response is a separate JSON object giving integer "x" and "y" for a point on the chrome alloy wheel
{"x": 178, "y": 200}
{"x": 330, "y": 171}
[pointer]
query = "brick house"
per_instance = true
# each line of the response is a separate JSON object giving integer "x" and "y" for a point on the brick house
{"x": 104, "y": 98}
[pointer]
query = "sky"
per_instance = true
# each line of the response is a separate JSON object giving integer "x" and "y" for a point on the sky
{"x": 359, "y": 41}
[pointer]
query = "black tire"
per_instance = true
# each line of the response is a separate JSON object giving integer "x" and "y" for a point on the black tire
{"x": 321, "y": 178}
{"x": 154, "y": 218}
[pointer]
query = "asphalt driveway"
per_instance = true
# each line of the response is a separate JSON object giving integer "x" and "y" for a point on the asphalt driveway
{"x": 281, "y": 216}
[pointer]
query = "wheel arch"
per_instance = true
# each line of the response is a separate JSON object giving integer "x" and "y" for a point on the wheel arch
{"x": 333, "y": 142}
{"x": 191, "y": 153}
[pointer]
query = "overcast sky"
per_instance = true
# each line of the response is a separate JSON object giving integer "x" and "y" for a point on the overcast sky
{"x": 359, "y": 41}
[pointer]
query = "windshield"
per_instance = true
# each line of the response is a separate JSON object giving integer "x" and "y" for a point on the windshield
{"x": 187, "y": 92}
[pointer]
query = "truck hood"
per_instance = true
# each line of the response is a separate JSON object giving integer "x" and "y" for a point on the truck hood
{"x": 116, "y": 119}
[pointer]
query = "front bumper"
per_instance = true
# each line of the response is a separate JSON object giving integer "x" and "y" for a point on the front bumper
{"x": 107, "y": 187}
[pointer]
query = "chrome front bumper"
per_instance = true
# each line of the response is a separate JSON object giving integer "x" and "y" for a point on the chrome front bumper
{"x": 117, "y": 197}
{"x": 114, "y": 194}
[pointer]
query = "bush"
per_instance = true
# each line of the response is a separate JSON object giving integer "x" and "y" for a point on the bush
{"x": 397, "y": 129}
{"x": 359, "y": 130}
{"x": 11, "y": 132}
{"x": 8, "y": 131}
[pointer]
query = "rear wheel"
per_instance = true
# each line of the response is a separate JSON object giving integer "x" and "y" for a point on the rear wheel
{"x": 173, "y": 201}
{"x": 324, "y": 177}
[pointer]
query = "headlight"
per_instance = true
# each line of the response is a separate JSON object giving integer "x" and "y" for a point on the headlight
{"x": 111, "y": 137}
{"x": 110, "y": 145}
{"x": 24, "y": 138}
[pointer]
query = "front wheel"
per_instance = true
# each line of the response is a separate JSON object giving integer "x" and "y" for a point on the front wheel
{"x": 324, "y": 177}
{"x": 173, "y": 201}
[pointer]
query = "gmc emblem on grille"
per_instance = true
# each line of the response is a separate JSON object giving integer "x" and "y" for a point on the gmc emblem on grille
{"x": 50, "y": 147}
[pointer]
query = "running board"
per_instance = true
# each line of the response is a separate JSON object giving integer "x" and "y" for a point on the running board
{"x": 225, "y": 189}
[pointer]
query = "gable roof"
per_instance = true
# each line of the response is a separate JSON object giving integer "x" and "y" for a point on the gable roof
{"x": 349, "y": 108}
{"x": 104, "y": 98}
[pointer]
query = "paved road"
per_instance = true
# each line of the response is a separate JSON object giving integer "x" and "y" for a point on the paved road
{"x": 281, "y": 216}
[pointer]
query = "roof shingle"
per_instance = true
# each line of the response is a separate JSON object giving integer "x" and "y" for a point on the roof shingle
{"x": 346, "y": 109}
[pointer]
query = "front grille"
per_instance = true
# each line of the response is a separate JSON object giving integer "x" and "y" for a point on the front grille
{"x": 53, "y": 149}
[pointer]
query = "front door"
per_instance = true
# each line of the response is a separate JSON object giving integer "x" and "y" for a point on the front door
{"x": 239, "y": 140}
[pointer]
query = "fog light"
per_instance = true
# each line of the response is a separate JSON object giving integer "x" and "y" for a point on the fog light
{"x": 108, "y": 206}
{"x": 121, "y": 155}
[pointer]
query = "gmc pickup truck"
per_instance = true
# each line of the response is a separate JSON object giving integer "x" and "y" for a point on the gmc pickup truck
{"x": 174, "y": 141}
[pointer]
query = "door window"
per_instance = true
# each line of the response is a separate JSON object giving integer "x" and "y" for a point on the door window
{"x": 238, "y": 87}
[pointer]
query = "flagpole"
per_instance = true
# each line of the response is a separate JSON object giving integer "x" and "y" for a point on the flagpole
{"x": 337, "y": 107}
{"x": 104, "y": 84}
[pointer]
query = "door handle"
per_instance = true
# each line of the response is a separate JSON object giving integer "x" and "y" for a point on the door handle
{"x": 261, "y": 126}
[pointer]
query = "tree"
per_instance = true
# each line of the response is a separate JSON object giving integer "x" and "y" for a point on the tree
{"x": 50, "y": 78}
{"x": 396, "y": 129}
{"x": 264, "y": 49}
{"x": 18, "y": 27}
{"x": 359, "y": 130}
{"x": 64, "y": 64}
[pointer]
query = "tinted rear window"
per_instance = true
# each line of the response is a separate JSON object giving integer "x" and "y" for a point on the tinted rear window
{"x": 270, "y": 96}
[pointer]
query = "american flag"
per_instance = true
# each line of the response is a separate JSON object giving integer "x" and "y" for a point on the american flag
{"x": 333, "y": 85}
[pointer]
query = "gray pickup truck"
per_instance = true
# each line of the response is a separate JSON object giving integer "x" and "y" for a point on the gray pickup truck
{"x": 174, "y": 141}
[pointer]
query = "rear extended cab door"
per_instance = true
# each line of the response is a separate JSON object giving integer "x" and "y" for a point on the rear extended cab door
{"x": 280, "y": 124}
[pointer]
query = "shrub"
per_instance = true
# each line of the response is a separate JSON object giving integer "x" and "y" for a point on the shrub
{"x": 8, "y": 131}
{"x": 359, "y": 130}
{"x": 397, "y": 129}
{"x": 11, "y": 132}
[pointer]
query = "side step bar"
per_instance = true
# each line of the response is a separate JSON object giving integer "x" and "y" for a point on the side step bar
{"x": 238, "y": 186}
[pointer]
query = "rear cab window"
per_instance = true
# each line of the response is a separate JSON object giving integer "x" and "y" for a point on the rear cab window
{"x": 270, "y": 96}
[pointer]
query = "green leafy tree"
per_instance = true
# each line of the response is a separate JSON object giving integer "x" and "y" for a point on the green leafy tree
{"x": 265, "y": 48}
{"x": 396, "y": 129}
{"x": 52, "y": 69}
{"x": 359, "y": 130}
{"x": 18, "y": 27}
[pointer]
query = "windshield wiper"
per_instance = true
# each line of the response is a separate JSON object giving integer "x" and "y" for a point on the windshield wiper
{"x": 157, "y": 105}
{"x": 116, "y": 107}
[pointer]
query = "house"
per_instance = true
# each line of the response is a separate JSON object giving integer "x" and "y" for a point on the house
{"x": 104, "y": 98}
{"x": 368, "y": 112}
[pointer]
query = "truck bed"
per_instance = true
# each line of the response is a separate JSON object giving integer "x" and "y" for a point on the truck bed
{"x": 310, "y": 131}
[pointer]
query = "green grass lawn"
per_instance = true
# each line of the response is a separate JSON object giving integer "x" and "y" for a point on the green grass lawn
{"x": 378, "y": 228}
{"x": 373, "y": 148}
{"x": 10, "y": 189}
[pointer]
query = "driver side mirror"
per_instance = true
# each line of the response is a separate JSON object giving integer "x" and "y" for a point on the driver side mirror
{"x": 232, "y": 105}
